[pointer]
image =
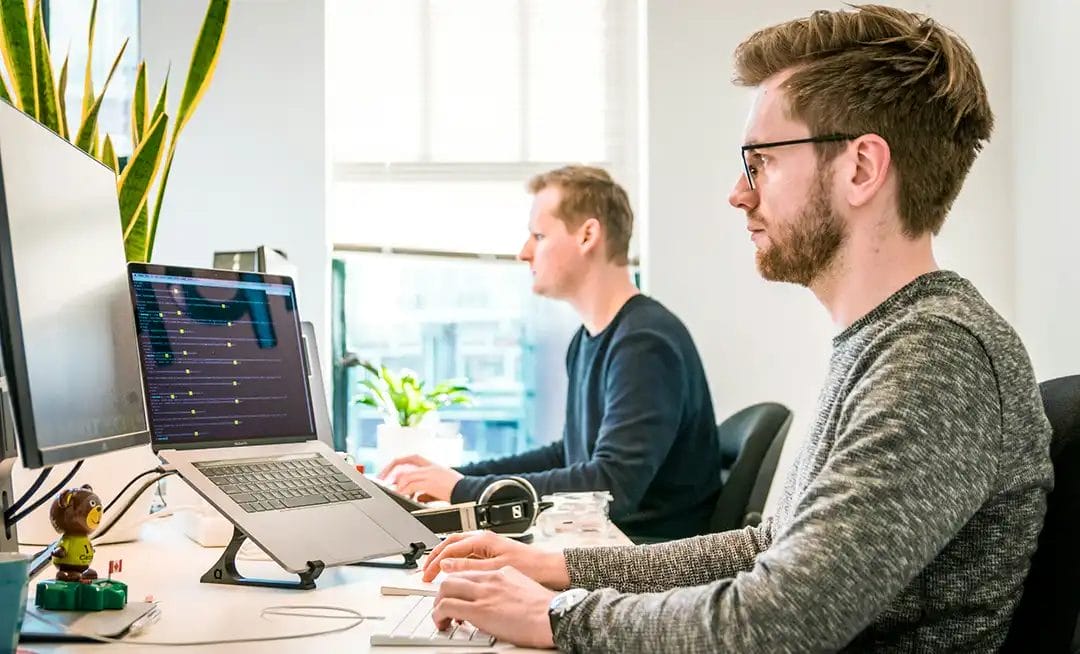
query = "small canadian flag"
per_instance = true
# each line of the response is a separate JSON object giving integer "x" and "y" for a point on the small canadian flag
{"x": 115, "y": 566}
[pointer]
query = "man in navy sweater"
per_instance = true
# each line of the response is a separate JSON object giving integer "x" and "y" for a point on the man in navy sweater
{"x": 639, "y": 417}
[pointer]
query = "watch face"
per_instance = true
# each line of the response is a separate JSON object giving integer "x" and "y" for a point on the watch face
{"x": 565, "y": 601}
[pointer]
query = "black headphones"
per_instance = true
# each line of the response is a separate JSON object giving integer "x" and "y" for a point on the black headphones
{"x": 508, "y": 506}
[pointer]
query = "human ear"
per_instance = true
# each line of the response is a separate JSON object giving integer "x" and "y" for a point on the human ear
{"x": 871, "y": 160}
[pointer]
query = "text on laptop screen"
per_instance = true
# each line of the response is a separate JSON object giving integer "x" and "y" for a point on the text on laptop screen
{"x": 221, "y": 355}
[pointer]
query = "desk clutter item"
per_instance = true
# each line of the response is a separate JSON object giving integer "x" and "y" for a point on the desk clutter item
{"x": 507, "y": 506}
{"x": 96, "y": 595}
{"x": 47, "y": 626}
{"x": 580, "y": 512}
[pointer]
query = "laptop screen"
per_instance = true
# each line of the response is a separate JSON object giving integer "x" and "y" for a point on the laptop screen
{"x": 221, "y": 357}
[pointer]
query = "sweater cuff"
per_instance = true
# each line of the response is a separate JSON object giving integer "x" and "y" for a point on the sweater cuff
{"x": 575, "y": 633}
{"x": 467, "y": 489}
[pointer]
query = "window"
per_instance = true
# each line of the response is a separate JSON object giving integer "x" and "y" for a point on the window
{"x": 438, "y": 113}
{"x": 117, "y": 20}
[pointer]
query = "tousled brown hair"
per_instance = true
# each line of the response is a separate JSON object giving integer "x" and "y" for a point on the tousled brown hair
{"x": 589, "y": 192}
{"x": 881, "y": 70}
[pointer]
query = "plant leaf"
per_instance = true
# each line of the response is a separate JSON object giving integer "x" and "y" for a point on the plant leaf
{"x": 87, "y": 131}
{"x": 88, "y": 80}
{"x": 18, "y": 52}
{"x": 368, "y": 401}
{"x": 380, "y": 394}
{"x": 368, "y": 366}
{"x": 108, "y": 154}
{"x": 204, "y": 58}
{"x": 392, "y": 381}
{"x": 44, "y": 82}
{"x": 140, "y": 245}
{"x": 138, "y": 106}
{"x": 134, "y": 188}
{"x": 61, "y": 104}
{"x": 159, "y": 106}
{"x": 5, "y": 95}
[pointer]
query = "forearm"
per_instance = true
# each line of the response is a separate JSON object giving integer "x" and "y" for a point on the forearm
{"x": 687, "y": 562}
{"x": 542, "y": 458}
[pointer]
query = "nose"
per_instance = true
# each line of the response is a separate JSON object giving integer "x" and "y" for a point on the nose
{"x": 742, "y": 196}
{"x": 526, "y": 251}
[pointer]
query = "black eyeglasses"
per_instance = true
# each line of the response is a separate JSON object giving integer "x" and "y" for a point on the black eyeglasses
{"x": 750, "y": 172}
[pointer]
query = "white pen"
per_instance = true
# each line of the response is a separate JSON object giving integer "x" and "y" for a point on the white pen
{"x": 144, "y": 621}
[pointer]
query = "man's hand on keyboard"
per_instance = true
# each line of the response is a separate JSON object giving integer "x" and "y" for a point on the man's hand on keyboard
{"x": 415, "y": 475}
{"x": 504, "y": 603}
{"x": 484, "y": 550}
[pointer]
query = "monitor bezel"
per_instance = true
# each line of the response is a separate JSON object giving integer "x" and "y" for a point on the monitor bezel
{"x": 13, "y": 355}
{"x": 226, "y": 275}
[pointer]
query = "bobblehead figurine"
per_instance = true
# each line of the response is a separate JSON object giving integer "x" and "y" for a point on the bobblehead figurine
{"x": 75, "y": 513}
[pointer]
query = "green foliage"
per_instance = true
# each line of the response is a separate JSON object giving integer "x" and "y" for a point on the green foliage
{"x": 401, "y": 398}
{"x": 27, "y": 60}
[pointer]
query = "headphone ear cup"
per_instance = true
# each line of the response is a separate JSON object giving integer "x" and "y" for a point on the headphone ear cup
{"x": 529, "y": 488}
{"x": 508, "y": 489}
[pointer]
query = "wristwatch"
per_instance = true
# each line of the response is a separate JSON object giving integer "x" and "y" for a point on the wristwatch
{"x": 562, "y": 604}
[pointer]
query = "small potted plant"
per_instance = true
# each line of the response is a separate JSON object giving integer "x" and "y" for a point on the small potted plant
{"x": 410, "y": 413}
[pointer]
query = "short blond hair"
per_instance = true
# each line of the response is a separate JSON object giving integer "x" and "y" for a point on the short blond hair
{"x": 589, "y": 192}
{"x": 885, "y": 71}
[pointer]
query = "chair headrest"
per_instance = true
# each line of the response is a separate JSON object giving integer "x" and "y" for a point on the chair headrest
{"x": 1061, "y": 401}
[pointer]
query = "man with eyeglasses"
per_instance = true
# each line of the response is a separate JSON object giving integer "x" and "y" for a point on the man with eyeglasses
{"x": 908, "y": 520}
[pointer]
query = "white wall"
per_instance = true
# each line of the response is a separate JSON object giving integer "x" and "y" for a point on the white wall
{"x": 1046, "y": 97}
{"x": 765, "y": 341}
{"x": 250, "y": 165}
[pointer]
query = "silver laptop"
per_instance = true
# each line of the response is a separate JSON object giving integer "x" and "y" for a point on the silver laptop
{"x": 230, "y": 406}
{"x": 324, "y": 428}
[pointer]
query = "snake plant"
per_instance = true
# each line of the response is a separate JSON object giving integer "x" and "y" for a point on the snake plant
{"x": 28, "y": 62}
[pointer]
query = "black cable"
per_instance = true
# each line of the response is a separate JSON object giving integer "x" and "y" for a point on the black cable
{"x": 130, "y": 503}
{"x": 47, "y": 496}
{"x": 131, "y": 483}
{"x": 10, "y": 511}
{"x": 41, "y": 558}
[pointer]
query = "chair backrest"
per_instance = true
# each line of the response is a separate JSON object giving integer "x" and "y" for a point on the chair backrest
{"x": 1046, "y": 619}
{"x": 750, "y": 445}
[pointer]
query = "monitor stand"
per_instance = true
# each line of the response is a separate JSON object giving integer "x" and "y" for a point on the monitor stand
{"x": 9, "y": 540}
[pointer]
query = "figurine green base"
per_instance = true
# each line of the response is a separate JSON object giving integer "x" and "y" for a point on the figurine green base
{"x": 76, "y": 596}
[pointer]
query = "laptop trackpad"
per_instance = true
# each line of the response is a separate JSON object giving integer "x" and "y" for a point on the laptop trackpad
{"x": 347, "y": 533}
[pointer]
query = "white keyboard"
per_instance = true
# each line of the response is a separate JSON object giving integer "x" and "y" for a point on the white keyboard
{"x": 418, "y": 629}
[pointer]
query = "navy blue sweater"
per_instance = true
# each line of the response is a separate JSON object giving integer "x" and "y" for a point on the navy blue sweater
{"x": 639, "y": 423}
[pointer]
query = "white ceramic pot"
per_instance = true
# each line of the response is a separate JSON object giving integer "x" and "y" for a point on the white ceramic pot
{"x": 430, "y": 441}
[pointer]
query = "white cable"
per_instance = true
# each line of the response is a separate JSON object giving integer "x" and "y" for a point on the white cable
{"x": 250, "y": 551}
{"x": 295, "y": 610}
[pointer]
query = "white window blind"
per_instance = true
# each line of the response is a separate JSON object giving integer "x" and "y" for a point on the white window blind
{"x": 440, "y": 110}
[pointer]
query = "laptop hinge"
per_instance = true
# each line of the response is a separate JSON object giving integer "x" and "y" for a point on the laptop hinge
{"x": 224, "y": 570}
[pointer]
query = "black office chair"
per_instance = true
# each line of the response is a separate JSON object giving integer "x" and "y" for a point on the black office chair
{"x": 1046, "y": 619}
{"x": 750, "y": 445}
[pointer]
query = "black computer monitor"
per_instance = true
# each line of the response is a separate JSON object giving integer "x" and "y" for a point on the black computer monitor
{"x": 67, "y": 334}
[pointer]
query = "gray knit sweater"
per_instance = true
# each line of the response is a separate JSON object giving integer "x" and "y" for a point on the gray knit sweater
{"x": 907, "y": 522}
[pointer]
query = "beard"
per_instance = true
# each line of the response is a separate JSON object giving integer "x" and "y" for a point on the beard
{"x": 800, "y": 252}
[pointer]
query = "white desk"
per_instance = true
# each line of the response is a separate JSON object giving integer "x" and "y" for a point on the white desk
{"x": 167, "y": 565}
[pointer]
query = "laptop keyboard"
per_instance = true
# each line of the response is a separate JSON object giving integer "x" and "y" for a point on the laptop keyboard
{"x": 271, "y": 484}
{"x": 418, "y": 629}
